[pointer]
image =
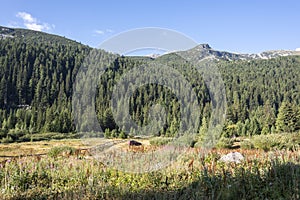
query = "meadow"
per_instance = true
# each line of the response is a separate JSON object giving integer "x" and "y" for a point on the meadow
{"x": 57, "y": 170}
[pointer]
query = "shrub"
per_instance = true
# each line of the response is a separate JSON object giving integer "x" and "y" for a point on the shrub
{"x": 3, "y": 133}
{"x": 187, "y": 140}
{"x": 225, "y": 143}
{"x": 59, "y": 150}
{"x": 159, "y": 141}
{"x": 14, "y": 134}
{"x": 247, "y": 144}
{"x": 47, "y": 136}
{"x": 288, "y": 141}
{"x": 264, "y": 142}
{"x": 6, "y": 140}
{"x": 122, "y": 135}
{"x": 114, "y": 133}
{"x": 38, "y": 137}
{"x": 107, "y": 133}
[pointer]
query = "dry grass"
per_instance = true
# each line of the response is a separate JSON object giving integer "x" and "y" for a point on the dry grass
{"x": 42, "y": 147}
{"x": 197, "y": 174}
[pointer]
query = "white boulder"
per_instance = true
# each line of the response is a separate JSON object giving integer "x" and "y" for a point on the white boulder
{"x": 232, "y": 157}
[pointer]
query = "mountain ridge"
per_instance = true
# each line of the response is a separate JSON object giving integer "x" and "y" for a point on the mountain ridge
{"x": 203, "y": 50}
{"x": 35, "y": 36}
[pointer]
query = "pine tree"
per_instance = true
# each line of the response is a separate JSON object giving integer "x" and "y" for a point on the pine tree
{"x": 288, "y": 118}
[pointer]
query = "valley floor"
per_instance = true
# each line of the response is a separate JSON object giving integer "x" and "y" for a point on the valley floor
{"x": 69, "y": 174}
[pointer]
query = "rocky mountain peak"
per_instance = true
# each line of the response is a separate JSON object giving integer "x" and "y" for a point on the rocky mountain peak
{"x": 203, "y": 47}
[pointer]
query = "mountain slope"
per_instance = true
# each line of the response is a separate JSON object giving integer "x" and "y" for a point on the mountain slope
{"x": 204, "y": 50}
{"x": 34, "y": 36}
{"x": 38, "y": 70}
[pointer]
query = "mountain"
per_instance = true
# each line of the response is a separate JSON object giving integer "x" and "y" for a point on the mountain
{"x": 32, "y": 36}
{"x": 38, "y": 71}
{"x": 204, "y": 50}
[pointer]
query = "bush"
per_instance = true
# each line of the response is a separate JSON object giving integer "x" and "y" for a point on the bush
{"x": 92, "y": 134}
{"x": 159, "y": 141}
{"x": 225, "y": 143}
{"x": 187, "y": 140}
{"x": 59, "y": 150}
{"x": 3, "y": 133}
{"x": 247, "y": 144}
{"x": 107, "y": 133}
{"x": 12, "y": 135}
{"x": 114, "y": 133}
{"x": 288, "y": 141}
{"x": 6, "y": 140}
{"x": 47, "y": 136}
{"x": 264, "y": 142}
{"x": 122, "y": 135}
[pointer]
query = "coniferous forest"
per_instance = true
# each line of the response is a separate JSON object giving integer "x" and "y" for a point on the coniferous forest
{"x": 38, "y": 70}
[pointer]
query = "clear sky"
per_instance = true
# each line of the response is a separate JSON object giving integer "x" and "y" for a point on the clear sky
{"x": 249, "y": 26}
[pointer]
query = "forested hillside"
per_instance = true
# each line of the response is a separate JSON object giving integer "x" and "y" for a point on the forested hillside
{"x": 38, "y": 70}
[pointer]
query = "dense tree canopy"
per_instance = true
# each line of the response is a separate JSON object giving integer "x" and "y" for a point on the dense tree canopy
{"x": 37, "y": 79}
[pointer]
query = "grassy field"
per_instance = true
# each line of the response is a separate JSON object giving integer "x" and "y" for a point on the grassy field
{"x": 198, "y": 174}
{"x": 42, "y": 147}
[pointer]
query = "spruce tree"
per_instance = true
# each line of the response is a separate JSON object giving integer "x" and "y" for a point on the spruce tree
{"x": 288, "y": 118}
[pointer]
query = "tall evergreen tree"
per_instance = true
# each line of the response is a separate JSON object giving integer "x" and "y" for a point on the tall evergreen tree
{"x": 288, "y": 118}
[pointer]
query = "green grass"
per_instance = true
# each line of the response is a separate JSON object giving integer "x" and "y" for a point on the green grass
{"x": 273, "y": 175}
{"x": 61, "y": 174}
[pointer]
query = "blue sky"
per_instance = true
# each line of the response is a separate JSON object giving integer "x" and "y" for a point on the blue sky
{"x": 232, "y": 25}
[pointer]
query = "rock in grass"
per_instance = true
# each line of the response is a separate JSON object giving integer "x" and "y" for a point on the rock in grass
{"x": 134, "y": 143}
{"x": 232, "y": 157}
